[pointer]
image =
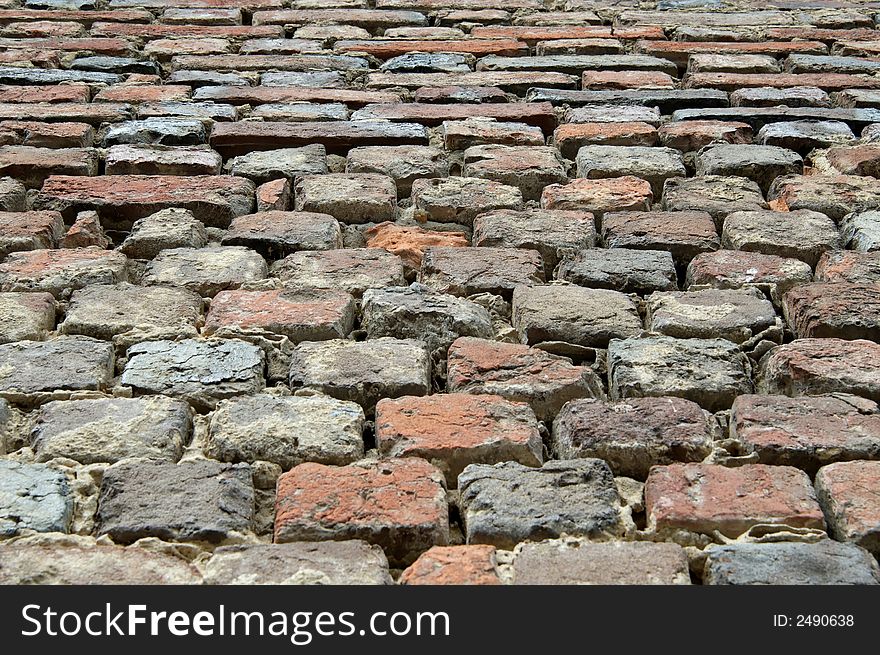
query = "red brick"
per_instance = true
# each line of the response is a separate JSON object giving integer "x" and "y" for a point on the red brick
{"x": 29, "y": 230}
{"x": 159, "y": 31}
{"x": 685, "y": 234}
{"x": 45, "y": 93}
{"x": 513, "y": 81}
{"x": 398, "y": 504}
{"x": 34, "y": 57}
{"x": 454, "y": 565}
{"x": 806, "y": 432}
{"x": 816, "y": 366}
{"x": 61, "y": 29}
{"x": 122, "y": 199}
{"x": 635, "y": 434}
{"x": 460, "y": 135}
{"x": 386, "y": 49}
{"x": 275, "y": 195}
{"x": 570, "y": 137}
{"x": 857, "y": 48}
{"x": 409, "y": 243}
{"x": 86, "y": 231}
{"x": 819, "y": 34}
{"x": 299, "y": 316}
{"x": 848, "y": 492}
{"x": 453, "y": 430}
{"x": 856, "y": 160}
{"x": 86, "y": 17}
{"x": 143, "y": 93}
{"x": 833, "y": 195}
{"x": 705, "y": 498}
{"x": 607, "y": 80}
{"x": 734, "y": 81}
{"x": 239, "y": 138}
{"x": 165, "y": 50}
{"x": 50, "y": 135}
{"x": 261, "y": 95}
{"x": 112, "y": 47}
{"x": 839, "y": 310}
{"x": 60, "y": 271}
{"x": 625, "y": 193}
{"x": 849, "y": 266}
{"x": 519, "y": 373}
{"x": 32, "y": 166}
{"x": 690, "y": 136}
{"x": 539, "y": 114}
{"x": 72, "y": 112}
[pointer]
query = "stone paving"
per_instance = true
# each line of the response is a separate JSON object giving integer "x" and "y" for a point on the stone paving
{"x": 440, "y": 292}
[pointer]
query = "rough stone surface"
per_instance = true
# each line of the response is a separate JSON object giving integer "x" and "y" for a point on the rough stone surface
{"x": 710, "y": 372}
{"x": 848, "y": 494}
{"x": 633, "y": 435}
{"x": 33, "y": 497}
{"x": 454, "y": 565}
{"x": 620, "y": 269}
{"x": 299, "y": 563}
{"x": 704, "y": 498}
{"x": 164, "y": 230}
{"x": 26, "y": 316}
{"x": 286, "y": 430}
{"x": 207, "y": 271}
{"x": 799, "y": 234}
{"x": 825, "y": 563}
{"x": 199, "y": 500}
{"x": 508, "y": 503}
{"x": 353, "y": 270}
{"x": 200, "y": 372}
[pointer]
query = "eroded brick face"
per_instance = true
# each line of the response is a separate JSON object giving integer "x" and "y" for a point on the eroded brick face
{"x": 462, "y": 286}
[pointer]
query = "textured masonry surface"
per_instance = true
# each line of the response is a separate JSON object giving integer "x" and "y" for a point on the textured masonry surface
{"x": 440, "y": 292}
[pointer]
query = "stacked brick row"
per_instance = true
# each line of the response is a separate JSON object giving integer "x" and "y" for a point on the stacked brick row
{"x": 437, "y": 292}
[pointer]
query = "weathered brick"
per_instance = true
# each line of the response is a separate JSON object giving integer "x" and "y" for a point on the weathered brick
{"x": 614, "y": 114}
{"x": 739, "y": 315}
{"x": 350, "y": 562}
{"x": 620, "y": 269}
{"x": 855, "y": 160}
{"x": 796, "y": 96}
{"x": 398, "y": 504}
{"x": 276, "y": 234}
{"x": 620, "y": 79}
{"x": 848, "y": 493}
{"x": 762, "y": 164}
{"x": 511, "y": 81}
{"x": 362, "y": 371}
{"x": 685, "y": 234}
{"x": 806, "y": 432}
{"x": 459, "y": 93}
{"x": 286, "y": 163}
{"x": 33, "y": 165}
{"x": 849, "y": 266}
{"x": 417, "y": 312}
{"x": 33, "y": 372}
{"x": 50, "y": 135}
{"x": 824, "y": 563}
{"x": 735, "y": 269}
{"x": 715, "y": 194}
{"x": 33, "y": 497}
{"x": 569, "y": 138}
{"x": 804, "y": 136}
{"x": 690, "y": 136}
{"x": 410, "y": 242}
{"x": 207, "y": 271}
{"x": 577, "y": 562}
{"x": 164, "y": 230}
{"x": 274, "y": 195}
{"x": 453, "y": 565}
{"x": 21, "y": 231}
{"x": 550, "y": 232}
{"x": 60, "y": 272}
{"x": 733, "y": 81}
{"x": 298, "y": 315}
{"x": 86, "y": 231}
{"x": 705, "y": 498}
{"x": 350, "y": 198}
{"x": 461, "y": 199}
{"x": 286, "y": 430}
{"x": 454, "y": 430}
{"x": 46, "y": 93}
{"x": 353, "y": 270}
{"x": 529, "y": 169}
{"x": 710, "y": 372}
{"x": 730, "y": 62}
{"x": 834, "y": 309}
{"x": 200, "y": 372}
{"x": 633, "y": 435}
{"x": 122, "y": 199}
{"x": 626, "y": 193}
{"x": 507, "y": 503}
{"x": 861, "y": 231}
{"x": 198, "y": 500}
{"x": 26, "y": 316}
{"x": 573, "y": 314}
{"x": 161, "y": 160}
{"x": 651, "y": 164}
{"x": 800, "y": 234}
{"x": 816, "y": 366}
{"x": 161, "y": 131}
{"x": 538, "y": 114}
{"x": 469, "y": 271}
{"x": 111, "y": 429}
{"x": 832, "y": 195}
{"x": 127, "y": 314}
{"x": 403, "y": 164}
